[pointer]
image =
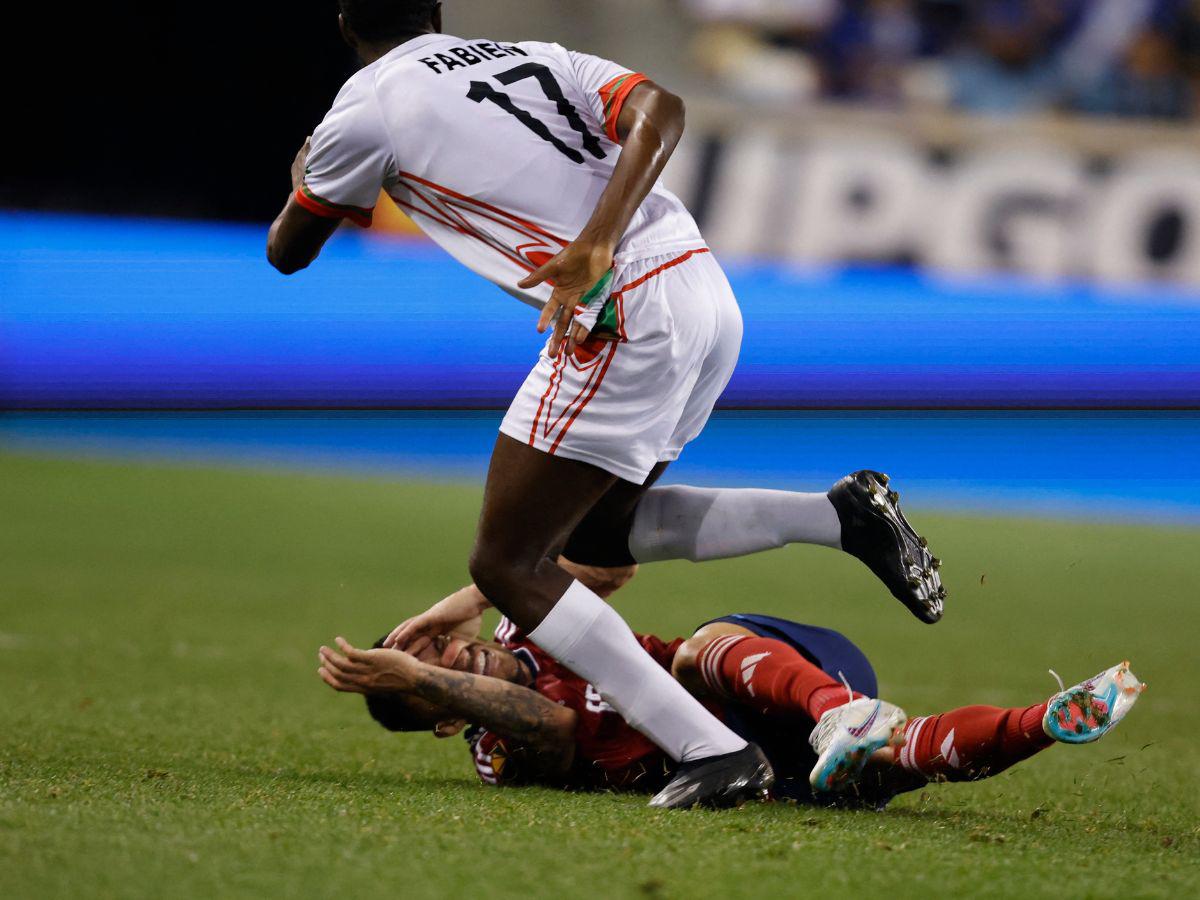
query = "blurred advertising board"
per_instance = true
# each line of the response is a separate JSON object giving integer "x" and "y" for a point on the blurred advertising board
{"x": 1055, "y": 198}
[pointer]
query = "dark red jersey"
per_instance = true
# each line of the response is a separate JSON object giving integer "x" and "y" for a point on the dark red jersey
{"x": 608, "y": 752}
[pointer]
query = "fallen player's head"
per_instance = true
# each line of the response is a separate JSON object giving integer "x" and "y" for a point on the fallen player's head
{"x": 383, "y": 21}
{"x": 406, "y": 712}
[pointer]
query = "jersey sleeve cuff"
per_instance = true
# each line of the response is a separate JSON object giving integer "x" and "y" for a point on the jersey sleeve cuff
{"x": 319, "y": 206}
{"x": 613, "y": 96}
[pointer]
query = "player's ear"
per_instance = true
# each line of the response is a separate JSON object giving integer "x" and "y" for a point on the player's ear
{"x": 347, "y": 34}
{"x": 449, "y": 727}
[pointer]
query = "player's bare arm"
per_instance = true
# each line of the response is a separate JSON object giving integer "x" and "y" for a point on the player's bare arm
{"x": 461, "y": 613}
{"x": 508, "y": 709}
{"x": 649, "y": 127}
{"x": 297, "y": 235}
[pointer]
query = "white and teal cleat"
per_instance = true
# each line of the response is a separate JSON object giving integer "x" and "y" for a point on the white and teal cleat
{"x": 1090, "y": 710}
{"x": 846, "y": 736}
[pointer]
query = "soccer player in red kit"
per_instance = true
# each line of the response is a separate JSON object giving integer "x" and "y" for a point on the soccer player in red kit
{"x": 804, "y": 694}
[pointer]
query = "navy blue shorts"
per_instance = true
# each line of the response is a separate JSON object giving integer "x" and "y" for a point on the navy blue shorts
{"x": 785, "y": 740}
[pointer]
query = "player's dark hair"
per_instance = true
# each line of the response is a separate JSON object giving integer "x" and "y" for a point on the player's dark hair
{"x": 387, "y": 20}
{"x": 394, "y": 711}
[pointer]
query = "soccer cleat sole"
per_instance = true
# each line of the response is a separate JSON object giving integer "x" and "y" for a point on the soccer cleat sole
{"x": 913, "y": 577}
{"x": 1088, "y": 711}
{"x": 841, "y": 765}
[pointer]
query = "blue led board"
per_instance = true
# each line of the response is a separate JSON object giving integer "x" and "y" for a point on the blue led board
{"x": 112, "y": 313}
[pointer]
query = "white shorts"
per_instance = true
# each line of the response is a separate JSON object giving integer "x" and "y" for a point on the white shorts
{"x": 627, "y": 405}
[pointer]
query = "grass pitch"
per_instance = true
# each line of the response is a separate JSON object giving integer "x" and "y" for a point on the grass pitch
{"x": 164, "y": 731}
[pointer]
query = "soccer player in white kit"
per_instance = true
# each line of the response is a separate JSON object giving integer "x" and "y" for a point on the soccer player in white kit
{"x": 537, "y": 167}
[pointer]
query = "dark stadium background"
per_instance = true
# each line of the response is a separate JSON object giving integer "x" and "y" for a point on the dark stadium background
{"x": 165, "y": 109}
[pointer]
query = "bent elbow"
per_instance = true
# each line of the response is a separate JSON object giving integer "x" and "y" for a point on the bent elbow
{"x": 283, "y": 262}
{"x": 675, "y": 113}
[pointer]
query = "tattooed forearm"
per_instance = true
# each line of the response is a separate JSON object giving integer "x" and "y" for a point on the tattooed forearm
{"x": 508, "y": 709}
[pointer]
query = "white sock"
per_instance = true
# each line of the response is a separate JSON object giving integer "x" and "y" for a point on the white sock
{"x": 680, "y": 522}
{"x": 587, "y": 636}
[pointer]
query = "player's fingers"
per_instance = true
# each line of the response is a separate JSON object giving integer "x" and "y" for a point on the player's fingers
{"x": 417, "y": 645}
{"x": 339, "y": 683}
{"x": 396, "y": 634}
{"x": 405, "y": 633}
{"x": 329, "y": 678}
{"x": 330, "y": 659}
{"x": 362, "y": 657}
{"x": 557, "y": 340}
{"x": 565, "y": 320}
{"x": 579, "y": 334}
{"x": 538, "y": 275}
{"x": 548, "y": 312}
{"x": 339, "y": 663}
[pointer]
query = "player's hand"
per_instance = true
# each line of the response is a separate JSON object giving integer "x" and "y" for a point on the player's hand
{"x": 355, "y": 671}
{"x": 459, "y": 615}
{"x": 300, "y": 164}
{"x": 573, "y": 272}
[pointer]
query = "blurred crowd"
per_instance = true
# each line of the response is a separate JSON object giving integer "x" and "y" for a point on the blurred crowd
{"x": 1101, "y": 57}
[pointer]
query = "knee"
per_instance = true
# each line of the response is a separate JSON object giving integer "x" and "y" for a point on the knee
{"x": 686, "y": 664}
{"x": 603, "y": 580}
{"x": 686, "y": 658}
{"x": 497, "y": 573}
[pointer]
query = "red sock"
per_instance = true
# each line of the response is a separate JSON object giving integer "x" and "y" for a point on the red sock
{"x": 972, "y": 742}
{"x": 769, "y": 676}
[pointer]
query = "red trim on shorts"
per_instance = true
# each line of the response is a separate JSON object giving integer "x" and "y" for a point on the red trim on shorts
{"x": 549, "y": 427}
{"x": 638, "y": 282}
{"x": 595, "y": 387}
{"x": 667, "y": 265}
{"x": 558, "y": 365}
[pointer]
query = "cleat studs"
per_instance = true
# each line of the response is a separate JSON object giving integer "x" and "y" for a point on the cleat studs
{"x": 936, "y": 563}
{"x": 884, "y": 479}
{"x": 924, "y": 543}
{"x": 893, "y": 497}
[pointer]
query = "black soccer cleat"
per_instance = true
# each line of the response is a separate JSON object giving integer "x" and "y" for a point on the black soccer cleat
{"x": 875, "y": 530}
{"x": 718, "y": 781}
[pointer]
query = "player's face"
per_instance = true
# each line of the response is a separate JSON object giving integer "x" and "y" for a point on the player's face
{"x": 476, "y": 657}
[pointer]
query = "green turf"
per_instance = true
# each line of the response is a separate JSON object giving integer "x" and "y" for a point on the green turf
{"x": 164, "y": 732}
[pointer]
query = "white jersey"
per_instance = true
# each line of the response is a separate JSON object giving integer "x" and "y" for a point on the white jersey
{"x": 499, "y": 152}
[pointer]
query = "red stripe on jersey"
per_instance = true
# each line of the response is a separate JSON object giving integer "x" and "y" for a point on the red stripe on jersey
{"x": 453, "y": 193}
{"x": 465, "y": 227}
{"x": 444, "y": 211}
